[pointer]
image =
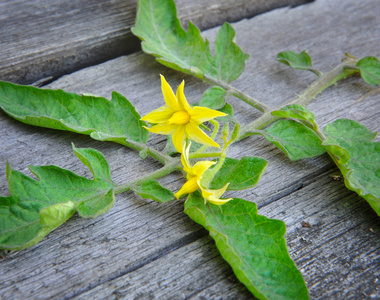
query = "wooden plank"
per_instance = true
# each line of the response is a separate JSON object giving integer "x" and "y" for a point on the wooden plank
{"x": 144, "y": 249}
{"x": 43, "y": 38}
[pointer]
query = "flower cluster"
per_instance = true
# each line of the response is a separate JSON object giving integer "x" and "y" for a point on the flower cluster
{"x": 178, "y": 119}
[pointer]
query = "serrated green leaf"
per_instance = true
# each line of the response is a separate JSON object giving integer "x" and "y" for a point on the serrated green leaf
{"x": 36, "y": 207}
{"x": 295, "y": 60}
{"x": 352, "y": 148}
{"x": 297, "y": 111}
{"x": 116, "y": 120}
{"x": 151, "y": 189}
{"x": 162, "y": 36}
{"x": 96, "y": 162}
{"x": 213, "y": 98}
{"x": 370, "y": 69}
{"x": 241, "y": 173}
{"x": 296, "y": 140}
{"x": 253, "y": 245}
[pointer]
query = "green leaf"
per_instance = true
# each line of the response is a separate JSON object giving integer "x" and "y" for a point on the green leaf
{"x": 295, "y": 60}
{"x": 151, "y": 189}
{"x": 370, "y": 69}
{"x": 297, "y": 111}
{"x": 229, "y": 110}
{"x": 253, "y": 245}
{"x": 36, "y": 207}
{"x": 296, "y": 140}
{"x": 213, "y": 98}
{"x": 162, "y": 36}
{"x": 352, "y": 148}
{"x": 116, "y": 120}
{"x": 241, "y": 173}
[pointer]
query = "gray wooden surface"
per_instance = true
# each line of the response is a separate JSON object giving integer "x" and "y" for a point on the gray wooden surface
{"x": 141, "y": 249}
{"x": 45, "y": 39}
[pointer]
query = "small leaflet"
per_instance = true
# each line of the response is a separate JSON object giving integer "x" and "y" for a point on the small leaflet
{"x": 369, "y": 68}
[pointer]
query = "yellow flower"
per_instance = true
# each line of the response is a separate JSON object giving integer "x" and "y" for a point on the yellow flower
{"x": 194, "y": 177}
{"x": 194, "y": 173}
{"x": 213, "y": 196}
{"x": 179, "y": 119}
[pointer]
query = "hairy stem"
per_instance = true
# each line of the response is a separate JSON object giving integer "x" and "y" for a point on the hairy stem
{"x": 174, "y": 165}
{"x": 324, "y": 81}
{"x": 239, "y": 94}
{"x": 160, "y": 156}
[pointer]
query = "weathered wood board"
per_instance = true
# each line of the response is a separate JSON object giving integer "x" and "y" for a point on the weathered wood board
{"x": 45, "y": 39}
{"x": 141, "y": 249}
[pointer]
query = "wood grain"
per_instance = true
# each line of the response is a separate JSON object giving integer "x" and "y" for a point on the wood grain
{"x": 44, "y": 39}
{"x": 141, "y": 249}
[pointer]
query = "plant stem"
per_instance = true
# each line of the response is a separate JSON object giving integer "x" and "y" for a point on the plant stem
{"x": 324, "y": 81}
{"x": 174, "y": 165}
{"x": 162, "y": 158}
{"x": 239, "y": 94}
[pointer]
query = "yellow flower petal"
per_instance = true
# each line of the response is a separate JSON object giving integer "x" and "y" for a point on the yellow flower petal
{"x": 189, "y": 187}
{"x": 217, "y": 201}
{"x": 194, "y": 133}
{"x": 213, "y": 196}
{"x": 178, "y": 137}
{"x": 162, "y": 128}
{"x": 200, "y": 167}
{"x": 219, "y": 192}
{"x": 185, "y": 159}
{"x": 180, "y": 117}
{"x": 159, "y": 115}
{"x": 182, "y": 99}
{"x": 169, "y": 96}
{"x": 203, "y": 114}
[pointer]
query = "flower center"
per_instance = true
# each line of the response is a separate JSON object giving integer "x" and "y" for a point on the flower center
{"x": 179, "y": 117}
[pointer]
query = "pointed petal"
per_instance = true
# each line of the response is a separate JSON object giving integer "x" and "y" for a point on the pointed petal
{"x": 185, "y": 160}
{"x": 219, "y": 192}
{"x": 203, "y": 114}
{"x": 178, "y": 137}
{"x": 183, "y": 104}
{"x": 213, "y": 196}
{"x": 218, "y": 201}
{"x": 163, "y": 128}
{"x": 159, "y": 115}
{"x": 189, "y": 187}
{"x": 200, "y": 167}
{"x": 193, "y": 132}
{"x": 168, "y": 93}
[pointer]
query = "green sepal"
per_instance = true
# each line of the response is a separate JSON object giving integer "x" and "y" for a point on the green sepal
{"x": 105, "y": 120}
{"x": 253, "y": 245}
{"x": 162, "y": 36}
{"x": 295, "y": 139}
{"x": 351, "y": 146}
{"x": 152, "y": 189}
{"x": 241, "y": 173}
{"x": 36, "y": 207}
{"x": 369, "y": 68}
